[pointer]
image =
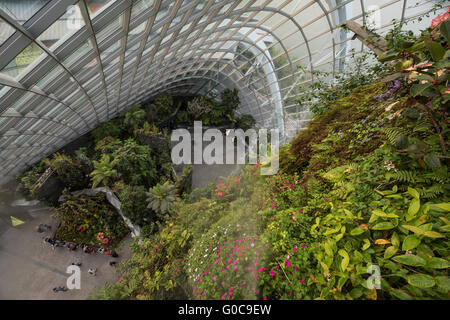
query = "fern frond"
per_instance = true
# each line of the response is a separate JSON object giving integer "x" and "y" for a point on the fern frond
{"x": 393, "y": 133}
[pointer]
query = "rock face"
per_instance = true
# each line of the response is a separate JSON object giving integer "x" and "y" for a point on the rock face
{"x": 158, "y": 144}
{"x": 48, "y": 187}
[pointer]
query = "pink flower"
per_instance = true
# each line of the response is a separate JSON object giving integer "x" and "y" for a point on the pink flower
{"x": 295, "y": 249}
{"x": 302, "y": 281}
{"x": 105, "y": 241}
{"x": 287, "y": 263}
{"x": 272, "y": 273}
{"x": 214, "y": 278}
{"x": 325, "y": 199}
{"x": 220, "y": 193}
{"x": 265, "y": 298}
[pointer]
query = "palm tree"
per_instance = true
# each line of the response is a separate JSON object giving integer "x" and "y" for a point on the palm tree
{"x": 161, "y": 197}
{"x": 104, "y": 172}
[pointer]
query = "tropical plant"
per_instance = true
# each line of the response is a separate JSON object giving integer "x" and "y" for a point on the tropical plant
{"x": 104, "y": 171}
{"x": 135, "y": 163}
{"x": 134, "y": 205}
{"x": 245, "y": 122}
{"x": 160, "y": 198}
{"x": 134, "y": 118}
{"x": 108, "y": 129}
{"x": 72, "y": 171}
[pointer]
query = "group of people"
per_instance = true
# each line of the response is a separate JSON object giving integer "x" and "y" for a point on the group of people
{"x": 73, "y": 246}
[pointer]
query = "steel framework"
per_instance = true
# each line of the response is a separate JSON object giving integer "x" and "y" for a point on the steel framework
{"x": 68, "y": 65}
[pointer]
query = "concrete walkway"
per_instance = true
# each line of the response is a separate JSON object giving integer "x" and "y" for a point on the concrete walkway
{"x": 203, "y": 174}
{"x": 30, "y": 269}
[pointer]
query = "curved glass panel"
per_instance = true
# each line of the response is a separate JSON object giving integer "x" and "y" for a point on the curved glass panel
{"x": 68, "y": 65}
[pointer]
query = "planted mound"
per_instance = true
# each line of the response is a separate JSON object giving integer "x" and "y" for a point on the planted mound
{"x": 90, "y": 220}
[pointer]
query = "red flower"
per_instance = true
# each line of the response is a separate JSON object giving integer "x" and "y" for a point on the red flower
{"x": 105, "y": 241}
{"x": 236, "y": 180}
{"x": 219, "y": 184}
{"x": 220, "y": 193}
{"x": 439, "y": 19}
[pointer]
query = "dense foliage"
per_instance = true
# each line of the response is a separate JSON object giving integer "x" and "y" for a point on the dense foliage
{"x": 90, "y": 220}
{"x": 360, "y": 209}
{"x": 134, "y": 205}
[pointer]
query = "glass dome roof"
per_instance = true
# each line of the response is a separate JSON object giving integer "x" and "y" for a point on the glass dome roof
{"x": 66, "y": 66}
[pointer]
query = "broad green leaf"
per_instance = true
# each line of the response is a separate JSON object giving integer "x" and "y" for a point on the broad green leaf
{"x": 438, "y": 263}
{"x": 446, "y": 228}
{"x": 421, "y": 280}
{"x": 414, "y": 207}
{"x": 400, "y": 294}
{"x": 338, "y": 237}
{"x": 366, "y": 244}
{"x": 418, "y": 88}
{"x": 441, "y": 206}
{"x": 395, "y": 240}
{"x": 413, "y": 192}
{"x": 357, "y": 231}
{"x": 445, "y": 29}
{"x": 433, "y": 234}
{"x": 443, "y": 282}
{"x": 413, "y": 229}
{"x": 341, "y": 282}
{"x": 383, "y": 226}
{"x": 330, "y": 231}
{"x": 383, "y": 214}
{"x": 390, "y": 251}
{"x": 328, "y": 249}
{"x": 410, "y": 242}
{"x": 432, "y": 161}
{"x": 356, "y": 293}
{"x": 325, "y": 268}
{"x": 388, "y": 56}
{"x": 410, "y": 260}
{"x": 436, "y": 50}
{"x": 345, "y": 260}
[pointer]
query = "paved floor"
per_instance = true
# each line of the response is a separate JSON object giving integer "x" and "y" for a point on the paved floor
{"x": 30, "y": 269}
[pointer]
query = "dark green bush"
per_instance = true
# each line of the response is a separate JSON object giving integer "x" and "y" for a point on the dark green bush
{"x": 245, "y": 122}
{"x": 136, "y": 164}
{"x": 134, "y": 205}
{"x": 108, "y": 129}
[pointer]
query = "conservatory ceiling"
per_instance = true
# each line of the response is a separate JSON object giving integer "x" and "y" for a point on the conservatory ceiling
{"x": 66, "y": 66}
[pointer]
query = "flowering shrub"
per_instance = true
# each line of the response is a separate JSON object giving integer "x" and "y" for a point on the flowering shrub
{"x": 90, "y": 220}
